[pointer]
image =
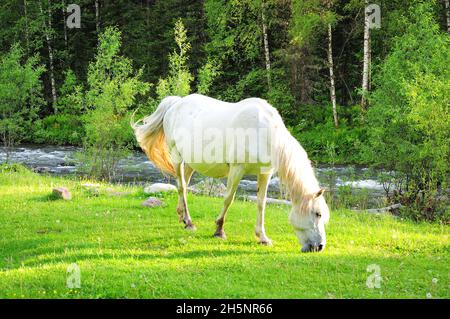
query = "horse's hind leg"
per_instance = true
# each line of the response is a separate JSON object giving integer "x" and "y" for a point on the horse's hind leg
{"x": 184, "y": 173}
{"x": 234, "y": 176}
{"x": 263, "y": 183}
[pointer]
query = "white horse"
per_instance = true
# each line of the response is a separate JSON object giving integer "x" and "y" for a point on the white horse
{"x": 218, "y": 139}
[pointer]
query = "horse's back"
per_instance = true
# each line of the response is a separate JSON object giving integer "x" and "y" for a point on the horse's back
{"x": 250, "y": 112}
{"x": 196, "y": 119}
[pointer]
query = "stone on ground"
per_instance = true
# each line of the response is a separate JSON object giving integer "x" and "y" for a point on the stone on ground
{"x": 159, "y": 188}
{"x": 152, "y": 202}
{"x": 62, "y": 192}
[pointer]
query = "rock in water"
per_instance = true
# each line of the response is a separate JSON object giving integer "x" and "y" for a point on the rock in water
{"x": 62, "y": 192}
{"x": 152, "y": 202}
{"x": 159, "y": 188}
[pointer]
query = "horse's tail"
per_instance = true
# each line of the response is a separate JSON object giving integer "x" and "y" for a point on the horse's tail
{"x": 151, "y": 137}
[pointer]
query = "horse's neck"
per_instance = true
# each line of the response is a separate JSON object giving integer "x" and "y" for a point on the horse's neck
{"x": 295, "y": 170}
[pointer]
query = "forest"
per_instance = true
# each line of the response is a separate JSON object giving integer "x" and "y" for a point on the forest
{"x": 352, "y": 87}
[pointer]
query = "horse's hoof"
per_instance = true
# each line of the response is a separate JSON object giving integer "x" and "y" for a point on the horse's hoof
{"x": 266, "y": 242}
{"x": 190, "y": 227}
{"x": 220, "y": 235}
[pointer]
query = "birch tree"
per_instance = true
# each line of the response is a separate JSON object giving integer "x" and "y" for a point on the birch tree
{"x": 266, "y": 44}
{"x": 64, "y": 21}
{"x": 447, "y": 13}
{"x": 97, "y": 17}
{"x": 331, "y": 69}
{"x": 366, "y": 59}
{"x": 27, "y": 31}
{"x": 47, "y": 32}
{"x": 329, "y": 17}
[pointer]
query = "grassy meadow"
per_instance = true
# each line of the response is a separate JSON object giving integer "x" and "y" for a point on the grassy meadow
{"x": 125, "y": 250}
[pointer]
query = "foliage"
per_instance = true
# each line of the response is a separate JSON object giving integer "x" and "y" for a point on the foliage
{"x": 20, "y": 95}
{"x": 70, "y": 95}
{"x": 13, "y": 168}
{"x": 409, "y": 120}
{"x": 206, "y": 76}
{"x": 219, "y": 50}
{"x": 112, "y": 90}
{"x": 59, "y": 129}
{"x": 327, "y": 144}
{"x": 179, "y": 79}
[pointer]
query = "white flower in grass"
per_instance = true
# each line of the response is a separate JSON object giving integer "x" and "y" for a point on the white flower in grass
{"x": 434, "y": 280}
{"x": 429, "y": 296}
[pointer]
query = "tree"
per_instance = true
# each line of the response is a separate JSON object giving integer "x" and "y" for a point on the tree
{"x": 112, "y": 89}
{"x": 180, "y": 78}
{"x": 409, "y": 122}
{"x": 447, "y": 14}
{"x": 20, "y": 95}
{"x": 47, "y": 27}
{"x": 366, "y": 58}
{"x": 331, "y": 63}
{"x": 310, "y": 18}
{"x": 97, "y": 17}
{"x": 266, "y": 44}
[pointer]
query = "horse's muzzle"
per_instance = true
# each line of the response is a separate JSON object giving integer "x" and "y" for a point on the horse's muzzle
{"x": 312, "y": 248}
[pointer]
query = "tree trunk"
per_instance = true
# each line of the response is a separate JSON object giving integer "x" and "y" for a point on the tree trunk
{"x": 97, "y": 17}
{"x": 27, "y": 35}
{"x": 47, "y": 29}
{"x": 447, "y": 12}
{"x": 366, "y": 63}
{"x": 331, "y": 67}
{"x": 64, "y": 22}
{"x": 266, "y": 45}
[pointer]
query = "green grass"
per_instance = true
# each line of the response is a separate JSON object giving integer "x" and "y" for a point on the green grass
{"x": 125, "y": 250}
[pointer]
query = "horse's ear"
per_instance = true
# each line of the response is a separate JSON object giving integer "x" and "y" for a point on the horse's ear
{"x": 319, "y": 193}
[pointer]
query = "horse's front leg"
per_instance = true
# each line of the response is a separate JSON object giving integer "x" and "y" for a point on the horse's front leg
{"x": 263, "y": 183}
{"x": 184, "y": 173}
{"x": 234, "y": 176}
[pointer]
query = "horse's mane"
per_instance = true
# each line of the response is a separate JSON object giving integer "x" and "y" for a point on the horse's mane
{"x": 294, "y": 168}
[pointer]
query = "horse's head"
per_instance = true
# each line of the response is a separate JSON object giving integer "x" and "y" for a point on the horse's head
{"x": 309, "y": 218}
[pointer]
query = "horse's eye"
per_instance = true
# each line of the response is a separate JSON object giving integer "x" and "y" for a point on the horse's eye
{"x": 318, "y": 215}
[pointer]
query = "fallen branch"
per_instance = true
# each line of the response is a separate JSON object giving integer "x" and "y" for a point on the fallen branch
{"x": 269, "y": 200}
{"x": 387, "y": 209}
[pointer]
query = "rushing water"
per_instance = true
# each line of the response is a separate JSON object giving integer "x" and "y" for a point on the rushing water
{"x": 61, "y": 160}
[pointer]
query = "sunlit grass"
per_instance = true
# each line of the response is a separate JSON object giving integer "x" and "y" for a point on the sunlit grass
{"x": 125, "y": 250}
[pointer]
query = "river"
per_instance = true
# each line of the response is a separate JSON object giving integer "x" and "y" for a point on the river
{"x": 136, "y": 169}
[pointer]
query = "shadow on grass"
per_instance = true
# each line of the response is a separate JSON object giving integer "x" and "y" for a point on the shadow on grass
{"x": 46, "y": 198}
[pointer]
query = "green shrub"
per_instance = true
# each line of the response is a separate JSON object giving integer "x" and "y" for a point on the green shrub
{"x": 14, "y": 168}
{"x": 60, "y": 129}
{"x": 409, "y": 120}
{"x": 326, "y": 144}
{"x": 112, "y": 89}
{"x": 20, "y": 95}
